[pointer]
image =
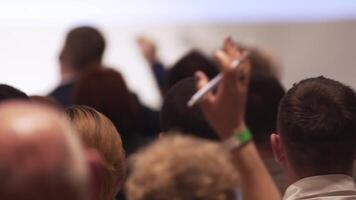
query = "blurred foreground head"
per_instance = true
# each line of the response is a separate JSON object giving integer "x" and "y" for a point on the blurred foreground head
{"x": 98, "y": 133}
{"x": 180, "y": 168}
{"x": 8, "y": 92}
{"x": 40, "y": 158}
{"x": 84, "y": 47}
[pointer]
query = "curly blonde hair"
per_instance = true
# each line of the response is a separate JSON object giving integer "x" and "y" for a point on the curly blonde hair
{"x": 182, "y": 168}
{"x": 97, "y": 132}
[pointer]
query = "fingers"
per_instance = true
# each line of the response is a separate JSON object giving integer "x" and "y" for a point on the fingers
{"x": 201, "y": 78}
{"x": 231, "y": 49}
{"x": 224, "y": 60}
{"x": 208, "y": 99}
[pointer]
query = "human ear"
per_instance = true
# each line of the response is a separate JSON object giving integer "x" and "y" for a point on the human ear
{"x": 278, "y": 149}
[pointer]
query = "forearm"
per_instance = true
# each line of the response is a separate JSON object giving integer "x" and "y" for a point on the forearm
{"x": 256, "y": 183}
{"x": 160, "y": 74}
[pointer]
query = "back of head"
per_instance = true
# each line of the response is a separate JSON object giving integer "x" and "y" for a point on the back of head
{"x": 177, "y": 116}
{"x": 10, "y": 93}
{"x": 97, "y": 132}
{"x": 83, "y": 45}
{"x": 188, "y": 65}
{"x": 317, "y": 123}
{"x": 40, "y": 158}
{"x": 181, "y": 168}
{"x": 105, "y": 90}
{"x": 264, "y": 95}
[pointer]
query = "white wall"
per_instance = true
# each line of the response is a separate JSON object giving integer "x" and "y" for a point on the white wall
{"x": 29, "y": 54}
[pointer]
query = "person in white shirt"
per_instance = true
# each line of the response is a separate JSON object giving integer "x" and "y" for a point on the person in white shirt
{"x": 316, "y": 137}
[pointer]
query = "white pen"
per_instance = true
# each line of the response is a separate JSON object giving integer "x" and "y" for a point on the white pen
{"x": 212, "y": 84}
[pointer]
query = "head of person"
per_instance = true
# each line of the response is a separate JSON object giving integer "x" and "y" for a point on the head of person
{"x": 189, "y": 64}
{"x": 182, "y": 167}
{"x": 262, "y": 61}
{"x": 98, "y": 133}
{"x": 40, "y": 157}
{"x": 263, "y": 97}
{"x": 105, "y": 90}
{"x": 8, "y": 92}
{"x": 83, "y": 48}
{"x": 316, "y": 129}
{"x": 175, "y": 115}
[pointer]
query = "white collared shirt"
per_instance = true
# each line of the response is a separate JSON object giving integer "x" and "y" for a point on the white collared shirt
{"x": 326, "y": 187}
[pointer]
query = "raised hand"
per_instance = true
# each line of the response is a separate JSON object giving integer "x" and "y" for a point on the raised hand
{"x": 225, "y": 109}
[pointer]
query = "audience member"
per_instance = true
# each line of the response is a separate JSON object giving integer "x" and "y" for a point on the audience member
{"x": 224, "y": 109}
{"x": 8, "y": 92}
{"x": 149, "y": 52}
{"x": 46, "y": 100}
{"x": 181, "y": 168}
{"x": 316, "y": 139}
{"x": 175, "y": 115}
{"x": 183, "y": 68}
{"x": 105, "y": 90}
{"x": 40, "y": 158}
{"x": 263, "y": 62}
{"x": 83, "y": 49}
{"x": 98, "y": 133}
{"x": 189, "y": 64}
{"x": 263, "y": 97}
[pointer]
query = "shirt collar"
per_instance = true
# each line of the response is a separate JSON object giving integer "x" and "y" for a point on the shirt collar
{"x": 321, "y": 186}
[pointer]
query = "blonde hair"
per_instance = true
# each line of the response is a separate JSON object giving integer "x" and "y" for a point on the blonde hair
{"x": 182, "y": 168}
{"x": 97, "y": 132}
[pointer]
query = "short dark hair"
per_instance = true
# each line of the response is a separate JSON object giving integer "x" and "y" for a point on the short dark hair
{"x": 317, "y": 123}
{"x": 83, "y": 45}
{"x": 189, "y": 64}
{"x": 264, "y": 95}
{"x": 8, "y": 92}
{"x": 177, "y": 116}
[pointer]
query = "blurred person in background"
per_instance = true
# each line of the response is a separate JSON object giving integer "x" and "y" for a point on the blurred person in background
{"x": 176, "y": 116}
{"x": 263, "y": 61}
{"x": 263, "y": 97}
{"x": 225, "y": 109}
{"x": 8, "y": 92}
{"x": 40, "y": 158}
{"x": 149, "y": 51}
{"x": 264, "y": 94}
{"x": 105, "y": 90}
{"x": 315, "y": 139}
{"x": 97, "y": 133}
{"x": 185, "y": 67}
{"x": 183, "y": 174}
{"x": 83, "y": 49}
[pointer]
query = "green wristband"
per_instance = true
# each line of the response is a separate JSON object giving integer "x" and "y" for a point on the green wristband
{"x": 238, "y": 139}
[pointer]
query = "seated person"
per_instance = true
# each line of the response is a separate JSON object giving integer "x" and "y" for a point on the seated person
{"x": 264, "y": 95}
{"x": 175, "y": 115}
{"x": 183, "y": 68}
{"x": 224, "y": 110}
{"x": 105, "y": 90}
{"x": 315, "y": 140}
{"x": 182, "y": 168}
{"x": 83, "y": 49}
{"x": 98, "y": 133}
{"x": 8, "y": 92}
{"x": 40, "y": 157}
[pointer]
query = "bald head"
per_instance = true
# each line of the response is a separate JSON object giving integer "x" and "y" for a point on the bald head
{"x": 39, "y": 157}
